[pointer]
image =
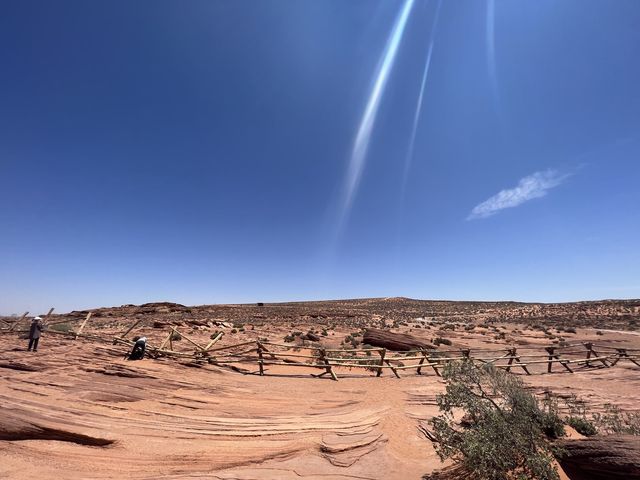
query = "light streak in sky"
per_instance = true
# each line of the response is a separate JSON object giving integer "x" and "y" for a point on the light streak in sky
{"x": 363, "y": 136}
{"x": 416, "y": 117}
{"x": 491, "y": 44}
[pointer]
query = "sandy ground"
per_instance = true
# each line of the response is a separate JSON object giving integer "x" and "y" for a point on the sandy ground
{"x": 77, "y": 410}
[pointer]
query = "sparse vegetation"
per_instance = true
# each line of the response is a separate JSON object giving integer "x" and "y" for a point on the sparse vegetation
{"x": 611, "y": 421}
{"x": 614, "y": 420}
{"x": 62, "y": 327}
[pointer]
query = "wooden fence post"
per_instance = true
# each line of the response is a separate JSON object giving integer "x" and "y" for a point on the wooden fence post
{"x": 382, "y": 354}
{"x": 590, "y": 351}
{"x": 622, "y": 354}
{"x": 214, "y": 341}
{"x": 551, "y": 351}
{"x": 430, "y": 359}
{"x": 135, "y": 324}
{"x": 424, "y": 357}
{"x": 46, "y": 317}
{"x": 395, "y": 372}
{"x": 260, "y": 359}
{"x": 329, "y": 367}
{"x": 82, "y": 326}
{"x": 182, "y": 335}
{"x": 166, "y": 340}
{"x": 513, "y": 356}
{"x": 588, "y": 347}
{"x": 24, "y": 315}
{"x": 554, "y": 356}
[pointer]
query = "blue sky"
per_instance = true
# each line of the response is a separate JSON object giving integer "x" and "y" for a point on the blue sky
{"x": 241, "y": 151}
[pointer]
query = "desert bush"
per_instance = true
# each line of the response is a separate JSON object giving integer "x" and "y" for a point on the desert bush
{"x": 176, "y": 337}
{"x": 582, "y": 426}
{"x": 613, "y": 420}
{"x": 62, "y": 327}
{"x": 550, "y": 421}
{"x": 289, "y": 338}
{"x": 504, "y": 437}
{"x": 441, "y": 341}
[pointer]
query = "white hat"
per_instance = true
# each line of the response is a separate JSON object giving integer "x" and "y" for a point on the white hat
{"x": 37, "y": 318}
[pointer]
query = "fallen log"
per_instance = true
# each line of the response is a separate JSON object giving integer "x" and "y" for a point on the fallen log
{"x": 393, "y": 341}
{"x": 608, "y": 457}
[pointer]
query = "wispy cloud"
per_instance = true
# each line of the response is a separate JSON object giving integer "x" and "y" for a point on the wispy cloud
{"x": 532, "y": 186}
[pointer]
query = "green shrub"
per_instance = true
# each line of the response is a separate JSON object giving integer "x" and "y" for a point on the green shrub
{"x": 62, "y": 327}
{"x": 582, "y": 426}
{"x": 504, "y": 437}
{"x": 550, "y": 421}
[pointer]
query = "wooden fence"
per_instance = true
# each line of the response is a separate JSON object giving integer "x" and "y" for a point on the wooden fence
{"x": 264, "y": 354}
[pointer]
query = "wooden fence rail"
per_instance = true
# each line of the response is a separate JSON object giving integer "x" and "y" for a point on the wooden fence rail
{"x": 375, "y": 360}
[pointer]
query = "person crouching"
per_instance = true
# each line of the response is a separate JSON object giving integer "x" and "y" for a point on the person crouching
{"x": 137, "y": 353}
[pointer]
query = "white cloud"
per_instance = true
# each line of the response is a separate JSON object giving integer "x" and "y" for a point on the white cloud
{"x": 533, "y": 186}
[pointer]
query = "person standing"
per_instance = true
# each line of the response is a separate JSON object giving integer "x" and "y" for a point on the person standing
{"x": 34, "y": 333}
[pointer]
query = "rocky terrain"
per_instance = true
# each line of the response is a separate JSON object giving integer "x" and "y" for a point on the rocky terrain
{"x": 617, "y": 314}
{"x": 77, "y": 409}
